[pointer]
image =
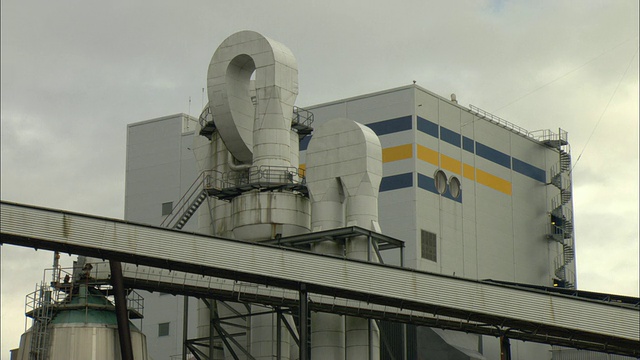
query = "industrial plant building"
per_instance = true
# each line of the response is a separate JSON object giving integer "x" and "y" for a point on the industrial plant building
{"x": 470, "y": 194}
{"x": 402, "y": 177}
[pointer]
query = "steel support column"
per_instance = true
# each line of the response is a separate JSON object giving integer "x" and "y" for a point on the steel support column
{"x": 279, "y": 334}
{"x": 124, "y": 333}
{"x": 505, "y": 348}
{"x": 213, "y": 308}
{"x": 305, "y": 349}
{"x": 185, "y": 326}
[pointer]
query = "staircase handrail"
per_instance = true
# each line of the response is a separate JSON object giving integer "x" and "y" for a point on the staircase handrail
{"x": 196, "y": 187}
{"x": 563, "y": 267}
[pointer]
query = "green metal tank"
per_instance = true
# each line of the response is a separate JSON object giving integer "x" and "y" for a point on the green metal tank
{"x": 81, "y": 325}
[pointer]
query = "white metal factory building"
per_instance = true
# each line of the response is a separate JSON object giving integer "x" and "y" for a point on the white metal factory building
{"x": 491, "y": 216}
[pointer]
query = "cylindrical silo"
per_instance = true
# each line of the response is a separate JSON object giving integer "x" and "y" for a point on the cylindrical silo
{"x": 82, "y": 326}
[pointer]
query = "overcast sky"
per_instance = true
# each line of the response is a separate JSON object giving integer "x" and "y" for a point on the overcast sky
{"x": 75, "y": 73}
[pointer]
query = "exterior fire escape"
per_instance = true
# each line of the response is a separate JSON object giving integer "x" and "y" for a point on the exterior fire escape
{"x": 561, "y": 211}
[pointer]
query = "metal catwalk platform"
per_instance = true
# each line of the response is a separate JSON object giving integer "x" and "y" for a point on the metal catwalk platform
{"x": 200, "y": 264}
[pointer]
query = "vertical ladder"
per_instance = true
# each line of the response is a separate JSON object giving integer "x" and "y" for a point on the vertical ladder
{"x": 42, "y": 315}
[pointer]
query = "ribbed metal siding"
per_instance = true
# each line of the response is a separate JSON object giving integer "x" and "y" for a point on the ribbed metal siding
{"x": 392, "y": 340}
{"x": 401, "y": 284}
{"x": 573, "y": 354}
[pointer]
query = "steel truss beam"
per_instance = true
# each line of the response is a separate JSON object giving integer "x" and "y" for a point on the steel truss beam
{"x": 454, "y": 303}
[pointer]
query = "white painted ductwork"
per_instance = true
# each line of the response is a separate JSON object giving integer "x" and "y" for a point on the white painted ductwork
{"x": 254, "y": 137}
{"x": 253, "y": 140}
{"x": 259, "y": 137}
{"x": 344, "y": 170}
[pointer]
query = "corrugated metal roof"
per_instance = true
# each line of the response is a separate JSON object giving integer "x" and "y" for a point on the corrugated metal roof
{"x": 527, "y": 313}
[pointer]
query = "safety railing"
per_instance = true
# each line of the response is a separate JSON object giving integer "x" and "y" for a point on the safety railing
{"x": 563, "y": 271}
{"x": 59, "y": 294}
{"x": 204, "y": 179}
{"x": 547, "y": 135}
{"x": 302, "y": 116}
{"x": 499, "y": 121}
{"x": 256, "y": 175}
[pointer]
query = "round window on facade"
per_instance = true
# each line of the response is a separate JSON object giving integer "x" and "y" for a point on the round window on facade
{"x": 454, "y": 187}
{"x": 440, "y": 180}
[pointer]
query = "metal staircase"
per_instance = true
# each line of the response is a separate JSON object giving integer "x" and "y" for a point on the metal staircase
{"x": 188, "y": 204}
{"x": 561, "y": 227}
{"x": 228, "y": 185}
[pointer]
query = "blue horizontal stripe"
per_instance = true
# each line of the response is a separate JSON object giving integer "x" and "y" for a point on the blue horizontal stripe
{"x": 494, "y": 155}
{"x": 427, "y": 183}
{"x": 447, "y": 194}
{"x": 529, "y": 170}
{"x": 468, "y": 144}
{"x": 449, "y": 136}
{"x": 394, "y": 182}
{"x": 427, "y": 127}
{"x": 391, "y": 126}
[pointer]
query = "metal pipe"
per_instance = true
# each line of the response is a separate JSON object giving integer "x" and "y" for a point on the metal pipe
{"x": 124, "y": 333}
{"x": 56, "y": 267}
{"x": 231, "y": 161}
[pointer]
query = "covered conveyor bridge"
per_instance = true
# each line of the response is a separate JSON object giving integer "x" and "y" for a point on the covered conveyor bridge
{"x": 206, "y": 266}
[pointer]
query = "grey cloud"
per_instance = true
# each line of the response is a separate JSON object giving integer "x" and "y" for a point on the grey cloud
{"x": 75, "y": 73}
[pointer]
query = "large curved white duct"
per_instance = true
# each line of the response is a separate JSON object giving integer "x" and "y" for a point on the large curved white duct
{"x": 344, "y": 170}
{"x": 253, "y": 123}
{"x": 259, "y": 136}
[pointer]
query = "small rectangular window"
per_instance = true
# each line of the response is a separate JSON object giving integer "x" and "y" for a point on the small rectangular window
{"x": 429, "y": 246}
{"x": 163, "y": 329}
{"x": 167, "y": 208}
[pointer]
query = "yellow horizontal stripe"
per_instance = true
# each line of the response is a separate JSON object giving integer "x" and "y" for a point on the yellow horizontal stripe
{"x": 469, "y": 172}
{"x": 402, "y": 152}
{"x": 396, "y": 153}
{"x": 493, "y": 182}
{"x": 451, "y": 164}
{"x": 428, "y": 155}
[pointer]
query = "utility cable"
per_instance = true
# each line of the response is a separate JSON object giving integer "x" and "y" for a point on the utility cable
{"x": 562, "y": 76}
{"x": 605, "y": 109}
